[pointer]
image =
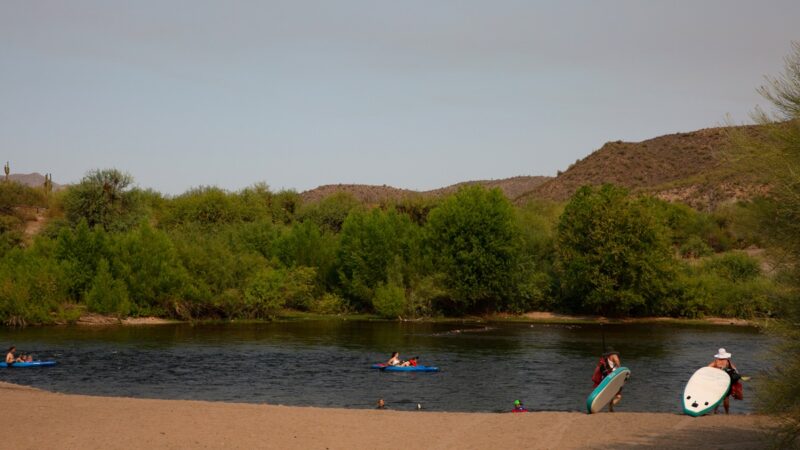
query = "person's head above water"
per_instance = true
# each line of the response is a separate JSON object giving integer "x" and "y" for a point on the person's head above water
{"x": 395, "y": 354}
{"x": 12, "y": 349}
{"x": 517, "y": 403}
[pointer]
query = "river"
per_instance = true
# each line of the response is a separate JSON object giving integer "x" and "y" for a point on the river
{"x": 484, "y": 366}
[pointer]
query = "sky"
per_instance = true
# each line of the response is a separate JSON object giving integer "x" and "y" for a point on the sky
{"x": 412, "y": 94}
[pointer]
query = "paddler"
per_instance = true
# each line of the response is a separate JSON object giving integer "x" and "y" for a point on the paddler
{"x": 608, "y": 363}
{"x": 519, "y": 407}
{"x": 722, "y": 361}
{"x": 11, "y": 358}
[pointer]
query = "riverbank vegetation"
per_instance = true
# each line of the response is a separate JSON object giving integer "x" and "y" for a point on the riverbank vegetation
{"x": 779, "y": 224}
{"x": 111, "y": 248}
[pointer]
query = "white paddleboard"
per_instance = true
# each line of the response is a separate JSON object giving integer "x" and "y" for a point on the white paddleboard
{"x": 705, "y": 390}
{"x": 607, "y": 389}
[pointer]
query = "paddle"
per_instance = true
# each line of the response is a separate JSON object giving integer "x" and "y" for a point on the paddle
{"x": 603, "y": 337}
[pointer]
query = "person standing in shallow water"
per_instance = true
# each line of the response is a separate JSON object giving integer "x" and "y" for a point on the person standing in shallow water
{"x": 722, "y": 361}
{"x": 608, "y": 363}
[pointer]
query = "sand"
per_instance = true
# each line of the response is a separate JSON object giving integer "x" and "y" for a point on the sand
{"x": 39, "y": 419}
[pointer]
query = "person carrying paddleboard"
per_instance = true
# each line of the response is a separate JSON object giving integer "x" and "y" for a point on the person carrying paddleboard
{"x": 722, "y": 361}
{"x": 607, "y": 364}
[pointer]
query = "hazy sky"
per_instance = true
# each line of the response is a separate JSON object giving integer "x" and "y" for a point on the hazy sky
{"x": 414, "y": 94}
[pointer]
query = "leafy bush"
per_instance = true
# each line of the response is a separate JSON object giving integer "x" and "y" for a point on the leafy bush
{"x": 613, "y": 254}
{"x": 369, "y": 243}
{"x": 390, "y": 300}
{"x": 103, "y": 198}
{"x": 734, "y": 266}
{"x": 329, "y": 213}
{"x": 270, "y": 290}
{"x": 695, "y": 247}
{"x": 212, "y": 206}
{"x": 474, "y": 242}
{"x": 329, "y": 304}
{"x": 107, "y": 295}
{"x": 31, "y": 288}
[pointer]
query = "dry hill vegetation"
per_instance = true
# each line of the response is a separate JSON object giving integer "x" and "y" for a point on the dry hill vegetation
{"x": 374, "y": 195}
{"x": 700, "y": 168}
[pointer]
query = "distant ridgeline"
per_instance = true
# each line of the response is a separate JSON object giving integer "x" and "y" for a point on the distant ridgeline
{"x": 599, "y": 238}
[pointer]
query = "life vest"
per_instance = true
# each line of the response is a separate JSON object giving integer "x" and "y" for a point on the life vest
{"x": 600, "y": 371}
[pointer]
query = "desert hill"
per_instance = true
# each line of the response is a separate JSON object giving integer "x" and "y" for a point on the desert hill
{"x": 34, "y": 179}
{"x": 370, "y": 194}
{"x": 696, "y": 168}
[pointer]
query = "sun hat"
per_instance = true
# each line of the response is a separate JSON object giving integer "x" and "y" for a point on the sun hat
{"x": 722, "y": 354}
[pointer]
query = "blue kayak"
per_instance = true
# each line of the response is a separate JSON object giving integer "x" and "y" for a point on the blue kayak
{"x": 29, "y": 364}
{"x": 386, "y": 368}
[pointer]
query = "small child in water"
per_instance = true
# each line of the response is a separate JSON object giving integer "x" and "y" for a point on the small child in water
{"x": 518, "y": 407}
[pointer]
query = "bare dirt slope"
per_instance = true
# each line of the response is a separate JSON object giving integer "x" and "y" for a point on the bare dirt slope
{"x": 40, "y": 419}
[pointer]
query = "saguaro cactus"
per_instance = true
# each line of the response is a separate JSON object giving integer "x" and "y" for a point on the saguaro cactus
{"x": 7, "y": 170}
{"x": 48, "y": 183}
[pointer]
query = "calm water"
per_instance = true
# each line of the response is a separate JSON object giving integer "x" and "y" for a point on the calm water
{"x": 326, "y": 363}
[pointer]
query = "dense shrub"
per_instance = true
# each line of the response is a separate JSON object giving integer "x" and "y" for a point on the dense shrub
{"x": 613, "y": 254}
{"x": 389, "y": 300}
{"x": 107, "y": 295}
{"x": 474, "y": 242}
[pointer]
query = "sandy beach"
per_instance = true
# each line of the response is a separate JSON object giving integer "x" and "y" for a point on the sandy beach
{"x": 41, "y": 419}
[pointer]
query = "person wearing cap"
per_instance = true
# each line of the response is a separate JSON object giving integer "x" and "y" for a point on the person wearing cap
{"x": 722, "y": 361}
{"x": 608, "y": 363}
{"x": 518, "y": 407}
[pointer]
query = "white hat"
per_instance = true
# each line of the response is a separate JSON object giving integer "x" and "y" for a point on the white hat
{"x": 722, "y": 354}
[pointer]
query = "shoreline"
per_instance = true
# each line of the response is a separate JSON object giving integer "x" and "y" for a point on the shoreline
{"x": 534, "y": 317}
{"x": 40, "y": 418}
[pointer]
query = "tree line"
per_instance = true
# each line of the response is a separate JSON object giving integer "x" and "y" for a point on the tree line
{"x": 115, "y": 249}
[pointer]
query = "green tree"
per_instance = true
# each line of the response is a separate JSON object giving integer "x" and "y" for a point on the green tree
{"x": 474, "y": 242}
{"x": 613, "y": 255}
{"x": 778, "y": 147}
{"x": 104, "y": 198}
{"x": 329, "y": 213}
{"x": 107, "y": 295}
{"x": 303, "y": 244}
{"x": 369, "y": 243}
{"x": 79, "y": 250}
{"x": 270, "y": 290}
{"x": 147, "y": 261}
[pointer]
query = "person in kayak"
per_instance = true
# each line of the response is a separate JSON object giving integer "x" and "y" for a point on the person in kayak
{"x": 608, "y": 363}
{"x": 11, "y": 358}
{"x": 722, "y": 361}
{"x": 518, "y": 407}
{"x": 394, "y": 360}
{"x": 411, "y": 362}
